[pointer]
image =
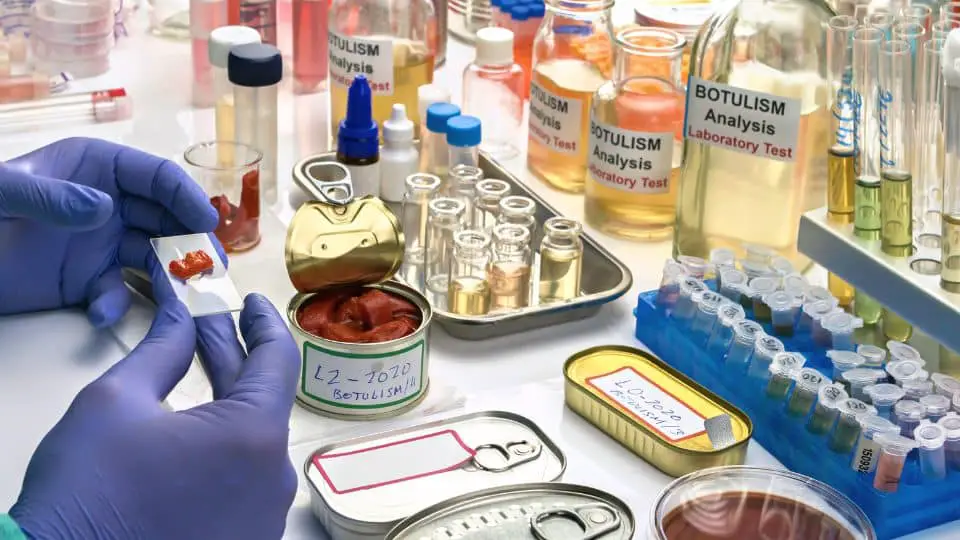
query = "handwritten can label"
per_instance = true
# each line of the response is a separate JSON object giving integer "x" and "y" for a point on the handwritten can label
{"x": 745, "y": 121}
{"x": 631, "y": 161}
{"x": 371, "y": 57}
{"x": 359, "y": 382}
{"x": 554, "y": 120}
{"x": 656, "y": 408}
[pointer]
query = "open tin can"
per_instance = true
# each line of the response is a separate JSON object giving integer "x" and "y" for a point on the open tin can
{"x": 338, "y": 241}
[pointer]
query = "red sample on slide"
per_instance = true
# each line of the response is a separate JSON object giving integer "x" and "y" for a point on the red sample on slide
{"x": 359, "y": 316}
{"x": 194, "y": 263}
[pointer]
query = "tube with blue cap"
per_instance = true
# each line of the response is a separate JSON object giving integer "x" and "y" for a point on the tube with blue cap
{"x": 358, "y": 140}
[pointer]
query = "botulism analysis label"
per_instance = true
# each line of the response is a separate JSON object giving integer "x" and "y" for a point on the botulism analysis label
{"x": 555, "y": 121}
{"x": 754, "y": 123}
{"x": 371, "y": 57}
{"x": 652, "y": 405}
{"x": 630, "y": 160}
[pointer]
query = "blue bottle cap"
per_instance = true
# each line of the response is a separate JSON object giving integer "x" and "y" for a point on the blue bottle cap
{"x": 438, "y": 114}
{"x": 255, "y": 65}
{"x": 505, "y": 5}
{"x": 537, "y": 10}
{"x": 463, "y": 131}
{"x": 358, "y": 136}
{"x": 519, "y": 13}
{"x": 496, "y": 3}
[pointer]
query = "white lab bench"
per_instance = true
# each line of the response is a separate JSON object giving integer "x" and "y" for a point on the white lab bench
{"x": 521, "y": 373}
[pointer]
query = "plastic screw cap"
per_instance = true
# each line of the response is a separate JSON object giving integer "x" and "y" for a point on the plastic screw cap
{"x": 463, "y": 131}
{"x": 358, "y": 136}
{"x": 494, "y": 46}
{"x": 537, "y": 10}
{"x": 438, "y": 114}
{"x": 255, "y": 65}
{"x": 519, "y": 13}
{"x": 223, "y": 39}
{"x": 398, "y": 128}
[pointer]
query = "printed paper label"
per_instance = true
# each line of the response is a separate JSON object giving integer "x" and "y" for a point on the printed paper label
{"x": 362, "y": 381}
{"x": 554, "y": 120}
{"x": 745, "y": 121}
{"x": 865, "y": 458}
{"x": 372, "y": 57}
{"x": 632, "y": 161}
{"x": 394, "y": 462}
{"x": 649, "y": 403}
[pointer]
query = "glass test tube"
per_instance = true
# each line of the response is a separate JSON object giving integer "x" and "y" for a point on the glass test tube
{"x": 951, "y": 424}
{"x": 731, "y": 283}
{"x": 706, "y": 314}
{"x": 844, "y": 102}
{"x": 865, "y": 456}
{"x": 858, "y": 379}
{"x": 509, "y": 271}
{"x": 884, "y": 396}
{"x": 936, "y": 405}
{"x": 519, "y": 210}
{"x": 809, "y": 382}
{"x": 896, "y": 125}
{"x": 669, "y": 285}
{"x": 722, "y": 333}
{"x": 929, "y": 151}
{"x": 918, "y": 13}
{"x": 893, "y": 455}
{"x": 931, "y": 439}
{"x": 490, "y": 192}
{"x": 745, "y": 334}
{"x": 881, "y": 21}
{"x": 940, "y": 29}
{"x": 98, "y": 106}
{"x": 908, "y": 413}
{"x": 444, "y": 219}
{"x": 829, "y": 398}
{"x": 847, "y": 431}
{"x": 462, "y": 185}
{"x": 950, "y": 237}
{"x": 469, "y": 290}
{"x": 421, "y": 189}
{"x": 759, "y": 287}
{"x": 783, "y": 370}
{"x": 561, "y": 259}
{"x": 783, "y": 308}
{"x": 866, "y": 76}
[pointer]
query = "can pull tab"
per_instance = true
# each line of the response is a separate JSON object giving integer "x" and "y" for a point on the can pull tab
{"x": 495, "y": 457}
{"x": 325, "y": 181}
{"x": 596, "y": 520}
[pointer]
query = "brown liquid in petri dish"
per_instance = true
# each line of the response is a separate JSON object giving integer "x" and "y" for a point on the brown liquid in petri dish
{"x": 751, "y": 516}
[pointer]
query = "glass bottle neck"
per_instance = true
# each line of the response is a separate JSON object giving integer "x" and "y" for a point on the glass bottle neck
{"x": 594, "y": 11}
{"x": 650, "y": 52}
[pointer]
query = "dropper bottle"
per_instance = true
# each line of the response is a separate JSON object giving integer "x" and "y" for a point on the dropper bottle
{"x": 399, "y": 158}
{"x": 358, "y": 140}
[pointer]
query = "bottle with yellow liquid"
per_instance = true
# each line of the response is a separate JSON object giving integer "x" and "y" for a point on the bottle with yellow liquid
{"x": 756, "y": 130}
{"x": 388, "y": 41}
{"x": 469, "y": 292}
{"x": 636, "y": 138}
{"x": 573, "y": 55}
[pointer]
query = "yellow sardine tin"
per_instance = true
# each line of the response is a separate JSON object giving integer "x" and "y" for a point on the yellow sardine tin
{"x": 652, "y": 409}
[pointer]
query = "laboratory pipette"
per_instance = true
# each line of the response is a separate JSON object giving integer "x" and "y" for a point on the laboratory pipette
{"x": 93, "y": 107}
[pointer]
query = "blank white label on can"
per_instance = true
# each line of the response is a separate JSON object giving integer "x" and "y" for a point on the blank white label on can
{"x": 363, "y": 381}
{"x": 554, "y": 120}
{"x": 372, "y": 57}
{"x": 630, "y": 160}
{"x": 755, "y": 123}
{"x": 656, "y": 408}
{"x": 394, "y": 462}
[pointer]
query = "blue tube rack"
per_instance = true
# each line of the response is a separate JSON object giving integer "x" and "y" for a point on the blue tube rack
{"x": 915, "y": 506}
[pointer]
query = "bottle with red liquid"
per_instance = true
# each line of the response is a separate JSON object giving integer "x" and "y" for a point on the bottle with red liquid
{"x": 310, "y": 35}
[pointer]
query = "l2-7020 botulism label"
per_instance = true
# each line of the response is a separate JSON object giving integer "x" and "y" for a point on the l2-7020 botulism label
{"x": 745, "y": 121}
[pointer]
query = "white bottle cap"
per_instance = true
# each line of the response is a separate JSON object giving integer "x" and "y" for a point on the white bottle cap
{"x": 398, "y": 128}
{"x": 427, "y": 95}
{"x": 223, "y": 39}
{"x": 494, "y": 46}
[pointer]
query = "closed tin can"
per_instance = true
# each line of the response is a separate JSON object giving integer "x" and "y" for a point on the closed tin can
{"x": 337, "y": 241}
{"x": 523, "y": 512}
{"x": 360, "y": 488}
{"x": 657, "y": 412}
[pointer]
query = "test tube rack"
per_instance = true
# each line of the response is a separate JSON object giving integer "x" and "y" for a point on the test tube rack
{"x": 910, "y": 286}
{"x": 914, "y": 506}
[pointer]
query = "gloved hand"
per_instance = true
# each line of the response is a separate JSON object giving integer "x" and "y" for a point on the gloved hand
{"x": 74, "y": 212}
{"x": 119, "y": 466}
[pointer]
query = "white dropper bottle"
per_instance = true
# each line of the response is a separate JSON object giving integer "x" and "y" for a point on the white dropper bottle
{"x": 399, "y": 158}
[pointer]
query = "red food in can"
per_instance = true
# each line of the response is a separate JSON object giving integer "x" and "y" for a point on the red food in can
{"x": 192, "y": 264}
{"x": 354, "y": 315}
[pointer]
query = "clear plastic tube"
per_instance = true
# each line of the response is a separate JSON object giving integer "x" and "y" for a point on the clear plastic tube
{"x": 929, "y": 152}
{"x": 421, "y": 188}
{"x": 881, "y": 21}
{"x": 783, "y": 370}
{"x": 722, "y": 332}
{"x": 931, "y": 438}
{"x": 829, "y": 398}
{"x": 847, "y": 431}
{"x": 893, "y": 455}
{"x": 745, "y": 334}
{"x": 85, "y": 107}
{"x": 866, "y": 78}
{"x": 670, "y": 284}
{"x": 908, "y": 413}
{"x": 865, "y": 456}
{"x": 809, "y": 382}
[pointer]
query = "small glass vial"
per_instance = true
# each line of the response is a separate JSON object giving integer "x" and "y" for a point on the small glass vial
{"x": 434, "y": 154}
{"x": 509, "y": 272}
{"x": 519, "y": 210}
{"x": 464, "y": 134}
{"x": 745, "y": 334}
{"x": 561, "y": 259}
{"x": 218, "y": 48}
{"x": 421, "y": 189}
{"x": 764, "y": 350}
{"x": 469, "y": 290}
{"x": 490, "y": 192}
{"x": 706, "y": 314}
{"x": 493, "y": 91}
{"x": 808, "y": 384}
{"x": 722, "y": 333}
{"x": 829, "y": 398}
{"x": 573, "y": 56}
{"x": 636, "y": 138}
{"x": 462, "y": 185}
{"x": 444, "y": 219}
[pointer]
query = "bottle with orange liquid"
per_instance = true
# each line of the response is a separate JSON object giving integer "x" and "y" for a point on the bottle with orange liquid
{"x": 636, "y": 134}
{"x": 572, "y": 56}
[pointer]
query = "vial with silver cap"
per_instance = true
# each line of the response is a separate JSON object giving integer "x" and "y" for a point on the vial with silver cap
{"x": 847, "y": 431}
{"x": 399, "y": 158}
{"x": 907, "y": 414}
{"x": 884, "y": 396}
{"x": 218, "y": 51}
{"x": 951, "y": 425}
{"x": 841, "y": 327}
{"x": 358, "y": 140}
{"x": 933, "y": 460}
{"x": 783, "y": 311}
{"x": 421, "y": 189}
{"x": 722, "y": 333}
{"x": 808, "y": 384}
{"x": 829, "y": 398}
{"x": 745, "y": 333}
{"x": 705, "y": 316}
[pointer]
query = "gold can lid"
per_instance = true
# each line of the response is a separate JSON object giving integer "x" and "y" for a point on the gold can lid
{"x": 337, "y": 240}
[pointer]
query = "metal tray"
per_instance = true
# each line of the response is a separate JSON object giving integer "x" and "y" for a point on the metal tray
{"x": 604, "y": 278}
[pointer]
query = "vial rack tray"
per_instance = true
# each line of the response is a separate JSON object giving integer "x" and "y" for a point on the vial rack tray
{"x": 915, "y": 506}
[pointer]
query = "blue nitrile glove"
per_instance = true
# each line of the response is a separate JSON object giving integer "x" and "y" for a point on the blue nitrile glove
{"x": 120, "y": 466}
{"x": 72, "y": 214}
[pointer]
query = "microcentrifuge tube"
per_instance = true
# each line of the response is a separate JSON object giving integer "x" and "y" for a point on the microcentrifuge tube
{"x": 905, "y": 370}
{"x": 686, "y": 306}
{"x": 695, "y": 266}
{"x": 956, "y": 402}
{"x": 764, "y": 349}
{"x": 844, "y": 361}
{"x": 907, "y": 414}
{"x": 722, "y": 333}
{"x": 812, "y": 313}
{"x": 817, "y": 293}
{"x": 875, "y": 357}
{"x": 809, "y": 382}
{"x": 936, "y": 405}
{"x": 858, "y": 379}
{"x": 945, "y": 385}
{"x": 893, "y": 455}
{"x": 669, "y": 289}
{"x": 783, "y": 371}
{"x": 758, "y": 254}
{"x": 745, "y": 335}
{"x": 951, "y": 425}
{"x": 731, "y": 283}
{"x": 916, "y": 389}
{"x": 783, "y": 309}
{"x": 845, "y": 435}
{"x": 796, "y": 285}
{"x": 825, "y": 412}
{"x": 931, "y": 438}
{"x": 841, "y": 327}
{"x": 721, "y": 259}
{"x": 755, "y": 269}
{"x": 902, "y": 351}
{"x": 883, "y": 396}
{"x": 782, "y": 266}
{"x": 867, "y": 451}
{"x": 706, "y": 314}
{"x": 759, "y": 287}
